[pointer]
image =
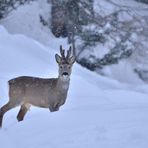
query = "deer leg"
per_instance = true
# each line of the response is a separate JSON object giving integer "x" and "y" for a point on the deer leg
{"x": 4, "y": 109}
{"x": 23, "y": 110}
{"x": 54, "y": 107}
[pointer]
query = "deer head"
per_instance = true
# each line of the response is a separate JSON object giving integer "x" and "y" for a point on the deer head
{"x": 65, "y": 63}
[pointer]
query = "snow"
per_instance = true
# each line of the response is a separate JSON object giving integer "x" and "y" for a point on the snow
{"x": 26, "y": 20}
{"x": 99, "y": 112}
{"x": 123, "y": 72}
{"x": 105, "y": 112}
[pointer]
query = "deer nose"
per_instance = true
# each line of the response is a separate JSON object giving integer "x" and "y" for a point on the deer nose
{"x": 65, "y": 73}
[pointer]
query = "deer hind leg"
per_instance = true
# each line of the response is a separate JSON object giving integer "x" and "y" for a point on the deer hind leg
{"x": 4, "y": 109}
{"x": 23, "y": 110}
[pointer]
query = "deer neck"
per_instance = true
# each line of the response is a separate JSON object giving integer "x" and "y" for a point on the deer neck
{"x": 63, "y": 84}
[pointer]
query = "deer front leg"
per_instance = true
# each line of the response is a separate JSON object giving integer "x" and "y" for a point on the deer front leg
{"x": 54, "y": 107}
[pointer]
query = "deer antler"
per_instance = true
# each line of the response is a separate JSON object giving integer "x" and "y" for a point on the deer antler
{"x": 68, "y": 53}
{"x": 62, "y": 51}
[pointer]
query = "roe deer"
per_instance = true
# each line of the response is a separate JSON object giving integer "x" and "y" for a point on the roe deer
{"x": 47, "y": 93}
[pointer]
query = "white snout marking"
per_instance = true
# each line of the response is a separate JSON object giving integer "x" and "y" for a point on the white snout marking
{"x": 65, "y": 78}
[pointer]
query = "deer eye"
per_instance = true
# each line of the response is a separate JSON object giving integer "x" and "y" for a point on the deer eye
{"x": 68, "y": 67}
{"x": 61, "y": 66}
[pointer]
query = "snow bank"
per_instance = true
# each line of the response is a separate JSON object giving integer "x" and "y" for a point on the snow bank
{"x": 99, "y": 112}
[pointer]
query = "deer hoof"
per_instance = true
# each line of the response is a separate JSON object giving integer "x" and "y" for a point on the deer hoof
{"x": 19, "y": 119}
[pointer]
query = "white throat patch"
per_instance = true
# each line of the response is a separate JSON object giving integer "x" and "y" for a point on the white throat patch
{"x": 65, "y": 86}
{"x": 65, "y": 82}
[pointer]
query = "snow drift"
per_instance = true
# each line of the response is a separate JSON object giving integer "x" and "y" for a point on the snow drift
{"x": 99, "y": 112}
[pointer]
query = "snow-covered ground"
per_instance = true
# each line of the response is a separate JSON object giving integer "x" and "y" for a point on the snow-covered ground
{"x": 99, "y": 112}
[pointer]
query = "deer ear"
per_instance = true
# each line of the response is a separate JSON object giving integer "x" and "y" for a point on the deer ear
{"x": 58, "y": 58}
{"x": 72, "y": 60}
